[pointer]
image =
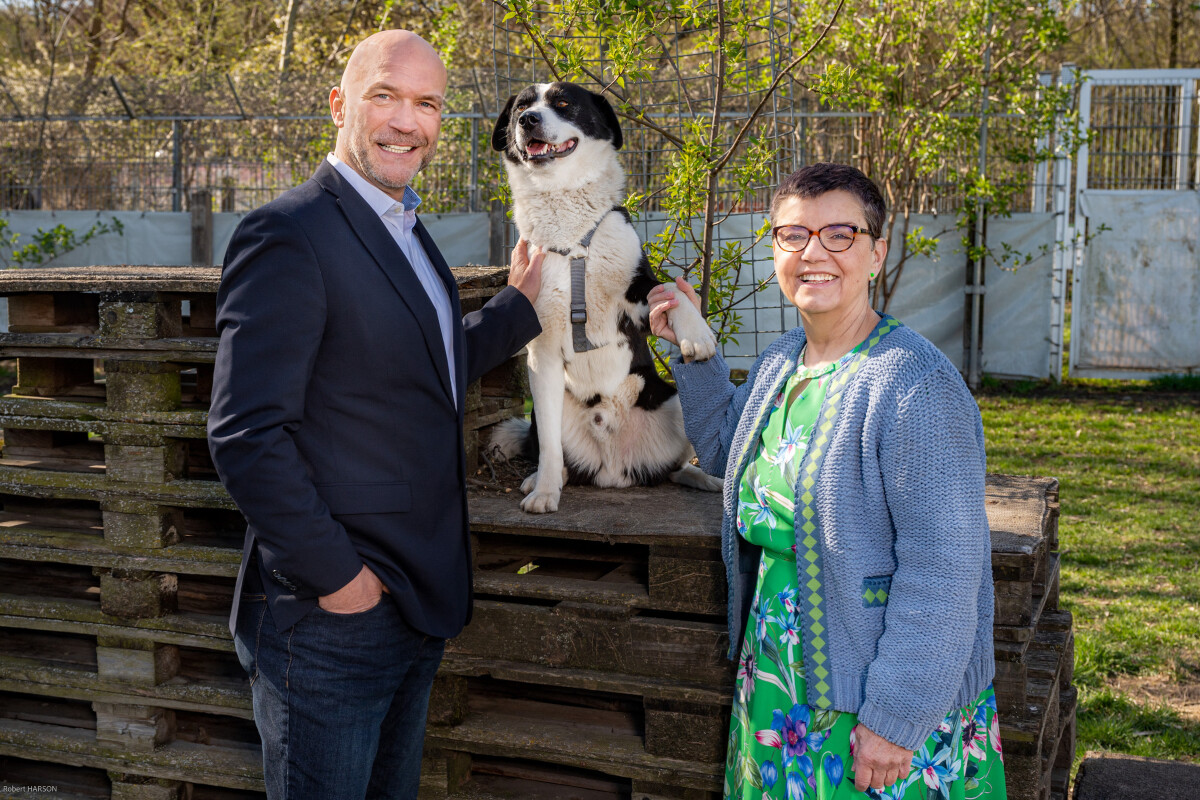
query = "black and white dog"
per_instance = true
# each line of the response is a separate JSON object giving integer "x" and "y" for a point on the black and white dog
{"x": 602, "y": 415}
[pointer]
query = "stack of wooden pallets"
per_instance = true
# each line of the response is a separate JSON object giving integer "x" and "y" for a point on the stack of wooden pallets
{"x": 119, "y": 547}
{"x": 1034, "y": 639}
{"x": 595, "y": 665}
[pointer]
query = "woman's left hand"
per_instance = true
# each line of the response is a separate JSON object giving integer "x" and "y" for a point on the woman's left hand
{"x": 877, "y": 763}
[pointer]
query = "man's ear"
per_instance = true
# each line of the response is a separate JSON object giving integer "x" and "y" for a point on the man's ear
{"x": 500, "y": 132}
{"x": 337, "y": 106}
{"x": 610, "y": 119}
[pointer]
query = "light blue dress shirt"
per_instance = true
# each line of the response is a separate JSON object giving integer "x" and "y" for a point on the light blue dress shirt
{"x": 399, "y": 219}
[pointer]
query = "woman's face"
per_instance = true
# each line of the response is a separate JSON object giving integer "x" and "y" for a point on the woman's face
{"x": 825, "y": 285}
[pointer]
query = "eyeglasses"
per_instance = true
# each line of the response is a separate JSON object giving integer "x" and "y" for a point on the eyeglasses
{"x": 834, "y": 238}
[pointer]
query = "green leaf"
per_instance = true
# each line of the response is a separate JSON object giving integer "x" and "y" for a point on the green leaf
{"x": 824, "y": 719}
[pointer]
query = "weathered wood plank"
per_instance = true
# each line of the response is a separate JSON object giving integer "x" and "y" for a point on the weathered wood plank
{"x": 80, "y": 486}
{"x": 665, "y": 687}
{"x": 69, "y": 547}
{"x": 231, "y": 767}
{"x": 66, "y": 346}
{"x": 67, "y": 411}
{"x": 111, "y": 431}
{"x": 561, "y": 742}
{"x": 687, "y": 650}
{"x": 208, "y": 695}
{"x": 131, "y": 278}
{"x": 75, "y": 616}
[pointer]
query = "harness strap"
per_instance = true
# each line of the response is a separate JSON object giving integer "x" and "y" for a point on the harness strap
{"x": 579, "y": 340}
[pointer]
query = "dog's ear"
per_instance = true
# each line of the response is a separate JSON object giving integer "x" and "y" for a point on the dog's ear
{"x": 500, "y": 132}
{"x": 610, "y": 119}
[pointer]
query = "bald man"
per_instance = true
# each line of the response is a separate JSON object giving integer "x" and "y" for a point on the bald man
{"x": 336, "y": 426}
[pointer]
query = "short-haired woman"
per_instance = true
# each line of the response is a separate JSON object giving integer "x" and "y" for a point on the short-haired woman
{"x": 854, "y": 534}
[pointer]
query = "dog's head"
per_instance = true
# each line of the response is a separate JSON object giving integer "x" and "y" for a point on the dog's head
{"x": 551, "y": 122}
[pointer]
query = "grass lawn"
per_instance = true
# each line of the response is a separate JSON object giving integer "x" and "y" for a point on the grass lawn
{"x": 1127, "y": 456}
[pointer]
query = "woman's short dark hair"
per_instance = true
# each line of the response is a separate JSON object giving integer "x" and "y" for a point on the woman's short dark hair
{"x": 815, "y": 180}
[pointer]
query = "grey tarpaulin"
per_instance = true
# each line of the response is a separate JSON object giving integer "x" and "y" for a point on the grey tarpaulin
{"x": 1136, "y": 306}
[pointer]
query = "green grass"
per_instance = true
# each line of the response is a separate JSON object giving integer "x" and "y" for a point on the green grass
{"x": 1127, "y": 456}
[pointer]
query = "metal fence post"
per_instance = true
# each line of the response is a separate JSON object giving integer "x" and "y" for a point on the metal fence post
{"x": 976, "y": 288}
{"x": 176, "y": 165}
{"x": 200, "y": 203}
{"x": 496, "y": 224}
{"x": 473, "y": 198}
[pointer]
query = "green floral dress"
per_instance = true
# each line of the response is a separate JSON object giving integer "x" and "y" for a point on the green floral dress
{"x": 779, "y": 746}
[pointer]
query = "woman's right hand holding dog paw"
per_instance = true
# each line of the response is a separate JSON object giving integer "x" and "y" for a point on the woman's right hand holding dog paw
{"x": 665, "y": 297}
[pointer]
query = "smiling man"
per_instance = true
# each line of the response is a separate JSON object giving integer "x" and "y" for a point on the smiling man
{"x": 336, "y": 426}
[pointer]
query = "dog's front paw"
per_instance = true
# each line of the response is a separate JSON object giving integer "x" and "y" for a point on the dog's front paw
{"x": 696, "y": 339}
{"x": 529, "y": 483}
{"x": 540, "y": 502}
{"x": 699, "y": 349}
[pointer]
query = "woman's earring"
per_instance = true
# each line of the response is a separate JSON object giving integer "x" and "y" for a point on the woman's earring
{"x": 872, "y": 274}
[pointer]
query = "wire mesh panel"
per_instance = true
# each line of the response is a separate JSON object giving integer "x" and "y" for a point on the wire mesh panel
{"x": 1143, "y": 134}
{"x": 667, "y": 106}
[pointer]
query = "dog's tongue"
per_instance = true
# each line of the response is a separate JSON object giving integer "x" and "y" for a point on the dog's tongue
{"x": 538, "y": 148}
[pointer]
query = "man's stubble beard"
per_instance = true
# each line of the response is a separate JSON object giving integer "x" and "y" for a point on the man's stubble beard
{"x": 361, "y": 155}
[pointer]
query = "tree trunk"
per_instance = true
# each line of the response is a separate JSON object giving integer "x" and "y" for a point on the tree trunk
{"x": 1176, "y": 22}
{"x": 95, "y": 45}
{"x": 289, "y": 30}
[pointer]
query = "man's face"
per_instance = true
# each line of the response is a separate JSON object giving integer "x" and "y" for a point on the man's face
{"x": 389, "y": 112}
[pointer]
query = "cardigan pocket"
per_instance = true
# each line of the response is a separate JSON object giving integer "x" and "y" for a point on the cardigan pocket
{"x": 875, "y": 591}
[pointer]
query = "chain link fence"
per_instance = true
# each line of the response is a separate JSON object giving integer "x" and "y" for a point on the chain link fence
{"x": 148, "y": 145}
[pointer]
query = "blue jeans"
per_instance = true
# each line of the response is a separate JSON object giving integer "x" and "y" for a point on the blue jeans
{"x": 339, "y": 699}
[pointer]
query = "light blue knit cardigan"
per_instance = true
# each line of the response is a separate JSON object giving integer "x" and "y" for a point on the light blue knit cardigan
{"x": 892, "y": 543}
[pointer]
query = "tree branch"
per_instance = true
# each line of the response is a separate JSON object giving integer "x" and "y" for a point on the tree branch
{"x": 741, "y": 134}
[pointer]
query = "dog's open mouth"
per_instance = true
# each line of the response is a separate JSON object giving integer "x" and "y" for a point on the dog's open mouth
{"x": 537, "y": 150}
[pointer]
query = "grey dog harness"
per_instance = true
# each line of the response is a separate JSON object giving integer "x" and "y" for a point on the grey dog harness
{"x": 579, "y": 340}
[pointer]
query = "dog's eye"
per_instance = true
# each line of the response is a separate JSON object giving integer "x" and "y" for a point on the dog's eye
{"x": 561, "y": 104}
{"x": 522, "y": 106}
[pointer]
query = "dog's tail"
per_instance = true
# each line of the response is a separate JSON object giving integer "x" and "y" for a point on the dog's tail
{"x": 509, "y": 439}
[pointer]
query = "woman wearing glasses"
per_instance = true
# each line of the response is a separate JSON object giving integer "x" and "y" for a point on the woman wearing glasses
{"x": 854, "y": 534}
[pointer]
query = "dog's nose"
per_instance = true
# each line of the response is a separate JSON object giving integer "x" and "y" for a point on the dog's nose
{"x": 529, "y": 119}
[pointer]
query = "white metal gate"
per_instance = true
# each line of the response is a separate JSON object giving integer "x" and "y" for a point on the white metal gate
{"x": 1136, "y": 289}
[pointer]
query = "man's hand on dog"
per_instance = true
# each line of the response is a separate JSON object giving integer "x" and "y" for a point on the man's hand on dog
{"x": 526, "y": 270}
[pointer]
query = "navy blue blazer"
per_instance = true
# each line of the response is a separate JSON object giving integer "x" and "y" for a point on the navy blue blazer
{"x": 332, "y": 424}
